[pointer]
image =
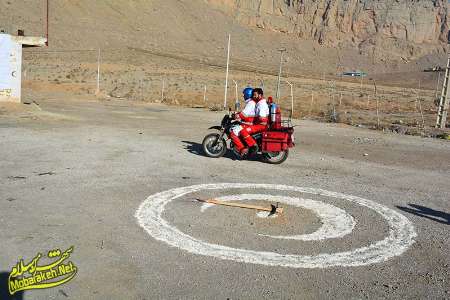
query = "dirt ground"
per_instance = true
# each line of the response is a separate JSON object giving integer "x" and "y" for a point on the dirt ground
{"x": 74, "y": 171}
{"x": 404, "y": 102}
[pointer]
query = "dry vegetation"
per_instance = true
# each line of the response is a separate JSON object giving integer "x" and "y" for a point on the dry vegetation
{"x": 140, "y": 75}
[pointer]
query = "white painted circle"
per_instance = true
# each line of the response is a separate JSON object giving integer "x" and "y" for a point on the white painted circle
{"x": 265, "y": 215}
{"x": 336, "y": 223}
{"x": 401, "y": 231}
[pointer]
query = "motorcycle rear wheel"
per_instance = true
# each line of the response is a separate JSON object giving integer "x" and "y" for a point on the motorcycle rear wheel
{"x": 275, "y": 158}
{"x": 213, "y": 146}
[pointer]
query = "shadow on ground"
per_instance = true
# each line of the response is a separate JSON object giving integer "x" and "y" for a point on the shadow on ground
{"x": 4, "y": 291}
{"x": 197, "y": 149}
{"x": 193, "y": 147}
{"x": 422, "y": 211}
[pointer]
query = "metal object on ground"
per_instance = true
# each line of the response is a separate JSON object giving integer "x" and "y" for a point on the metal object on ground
{"x": 273, "y": 209}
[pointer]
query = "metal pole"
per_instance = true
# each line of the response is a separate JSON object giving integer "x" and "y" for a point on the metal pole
{"x": 46, "y": 25}
{"x": 236, "y": 103}
{"x": 162, "y": 91}
{"x": 279, "y": 72}
{"x": 437, "y": 85}
{"x": 226, "y": 76}
{"x": 142, "y": 89}
{"x": 204, "y": 94}
{"x": 292, "y": 98}
{"x": 421, "y": 113}
{"x": 361, "y": 81}
{"x": 98, "y": 73}
{"x": 420, "y": 107}
{"x": 378, "y": 104}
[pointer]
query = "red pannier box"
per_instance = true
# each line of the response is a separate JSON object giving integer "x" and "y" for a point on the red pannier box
{"x": 274, "y": 141}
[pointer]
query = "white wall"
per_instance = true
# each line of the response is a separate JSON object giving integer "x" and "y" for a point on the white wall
{"x": 10, "y": 69}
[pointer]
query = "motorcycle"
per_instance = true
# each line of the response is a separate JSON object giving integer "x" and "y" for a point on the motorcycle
{"x": 273, "y": 144}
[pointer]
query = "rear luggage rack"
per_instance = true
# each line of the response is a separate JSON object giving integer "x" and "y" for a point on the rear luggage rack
{"x": 286, "y": 123}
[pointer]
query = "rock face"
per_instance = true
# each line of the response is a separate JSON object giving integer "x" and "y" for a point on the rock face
{"x": 398, "y": 27}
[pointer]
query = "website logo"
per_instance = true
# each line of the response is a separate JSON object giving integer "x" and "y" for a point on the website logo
{"x": 34, "y": 275}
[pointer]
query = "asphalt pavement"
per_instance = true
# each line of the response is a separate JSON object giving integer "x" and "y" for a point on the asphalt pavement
{"x": 367, "y": 213}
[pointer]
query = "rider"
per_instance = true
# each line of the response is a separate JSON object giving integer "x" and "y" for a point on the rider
{"x": 246, "y": 118}
{"x": 260, "y": 121}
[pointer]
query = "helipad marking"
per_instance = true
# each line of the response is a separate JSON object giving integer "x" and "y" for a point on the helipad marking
{"x": 401, "y": 231}
{"x": 266, "y": 214}
{"x": 336, "y": 223}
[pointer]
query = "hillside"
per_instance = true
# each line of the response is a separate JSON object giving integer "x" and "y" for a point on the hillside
{"x": 320, "y": 36}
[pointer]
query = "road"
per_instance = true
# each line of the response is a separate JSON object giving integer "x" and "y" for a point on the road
{"x": 87, "y": 174}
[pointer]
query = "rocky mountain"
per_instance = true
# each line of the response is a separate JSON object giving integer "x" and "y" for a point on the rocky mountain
{"x": 393, "y": 27}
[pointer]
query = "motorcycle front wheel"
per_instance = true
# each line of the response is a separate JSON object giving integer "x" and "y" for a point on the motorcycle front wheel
{"x": 214, "y": 146}
{"x": 275, "y": 157}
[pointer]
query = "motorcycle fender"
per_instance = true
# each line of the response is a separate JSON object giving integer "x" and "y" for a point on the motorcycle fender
{"x": 215, "y": 127}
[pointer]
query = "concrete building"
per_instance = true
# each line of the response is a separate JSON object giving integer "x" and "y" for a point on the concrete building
{"x": 11, "y": 64}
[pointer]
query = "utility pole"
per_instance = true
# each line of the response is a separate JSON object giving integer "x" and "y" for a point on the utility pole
{"x": 441, "y": 119}
{"x": 226, "y": 76}
{"x": 282, "y": 50}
